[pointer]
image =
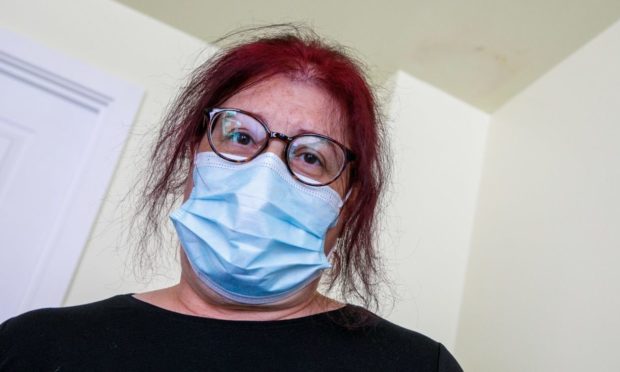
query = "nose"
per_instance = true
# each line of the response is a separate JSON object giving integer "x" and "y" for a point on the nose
{"x": 277, "y": 145}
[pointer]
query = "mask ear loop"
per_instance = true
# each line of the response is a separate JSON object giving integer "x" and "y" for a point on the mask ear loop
{"x": 344, "y": 201}
{"x": 346, "y": 196}
{"x": 196, "y": 173}
{"x": 333, "y": 224}
{"x": 331, "y": 253}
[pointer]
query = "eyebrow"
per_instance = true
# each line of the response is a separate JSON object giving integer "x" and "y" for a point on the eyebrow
{"x": 304, "y": 130}
{"x": 300, "y": 131}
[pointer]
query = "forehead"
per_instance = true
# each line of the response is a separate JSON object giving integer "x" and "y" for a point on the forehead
{"x": 291, "y": 107}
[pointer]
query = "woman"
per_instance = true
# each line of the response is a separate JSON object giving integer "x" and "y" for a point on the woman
{"x": 276, "y": 143}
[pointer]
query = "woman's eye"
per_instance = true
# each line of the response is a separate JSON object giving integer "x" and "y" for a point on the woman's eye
{"x": 310, "y": 158}
{"x": 240, "y": 138}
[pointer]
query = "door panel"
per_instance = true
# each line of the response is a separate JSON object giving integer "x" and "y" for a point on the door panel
{"x": 62, "y": 126}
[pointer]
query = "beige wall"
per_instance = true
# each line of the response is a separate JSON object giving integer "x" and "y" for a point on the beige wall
{"x": 543, "y": 285}
{"x": 438, "y": 144}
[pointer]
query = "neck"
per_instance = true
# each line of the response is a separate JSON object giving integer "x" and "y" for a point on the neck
{"x": 217, "y": 307}
{"x": 182, "y": 298}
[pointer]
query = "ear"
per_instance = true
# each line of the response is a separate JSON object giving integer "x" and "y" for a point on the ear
{"x": 350, "y": 198}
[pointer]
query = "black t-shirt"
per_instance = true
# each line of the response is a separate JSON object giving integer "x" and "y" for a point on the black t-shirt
{"x": 125, "y": 334}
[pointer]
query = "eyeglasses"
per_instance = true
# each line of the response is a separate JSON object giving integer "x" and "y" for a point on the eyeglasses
{"x": 239, "y": 136}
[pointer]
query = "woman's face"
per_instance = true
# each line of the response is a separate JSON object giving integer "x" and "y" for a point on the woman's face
{"x": 289, "y": 107}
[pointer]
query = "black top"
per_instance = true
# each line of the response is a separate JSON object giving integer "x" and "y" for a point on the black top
{"x": 125, "y": 334}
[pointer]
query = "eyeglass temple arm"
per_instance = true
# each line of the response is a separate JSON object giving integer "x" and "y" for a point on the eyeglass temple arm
{"x": 350, "y": 155}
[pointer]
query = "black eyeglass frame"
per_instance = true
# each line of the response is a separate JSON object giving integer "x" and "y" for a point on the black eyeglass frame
{"x": 210, "y": 113}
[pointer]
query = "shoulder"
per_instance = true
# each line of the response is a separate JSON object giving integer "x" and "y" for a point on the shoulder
{"x": 42, "y": 334}
{"x": 62, "y": 317}
{"x": 397, "y": 343}
{"x": 415, "y": 343}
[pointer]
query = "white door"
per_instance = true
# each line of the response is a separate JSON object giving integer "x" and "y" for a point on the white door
{"x": 62, "y": 128}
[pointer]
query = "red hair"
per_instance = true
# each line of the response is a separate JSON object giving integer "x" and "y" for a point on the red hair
{"x": 301, "y": 56}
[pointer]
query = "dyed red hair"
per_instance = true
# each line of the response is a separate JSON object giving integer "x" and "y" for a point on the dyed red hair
{"x": 300, "y": 55}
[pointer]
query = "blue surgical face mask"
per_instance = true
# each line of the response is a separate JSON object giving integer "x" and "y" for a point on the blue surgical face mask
{"x": 251, "y": 232}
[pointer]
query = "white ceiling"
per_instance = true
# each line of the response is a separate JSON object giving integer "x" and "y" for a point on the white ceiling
{"x": 482, "y": 51}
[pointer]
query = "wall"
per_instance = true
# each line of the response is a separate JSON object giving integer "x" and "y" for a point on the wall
{"x": 131, "y": 46}
{"x": 438, "y": 144}
{"x": 543, "y": 282}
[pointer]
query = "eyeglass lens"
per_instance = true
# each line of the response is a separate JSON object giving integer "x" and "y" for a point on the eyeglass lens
{"x": 312, "y": 159}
